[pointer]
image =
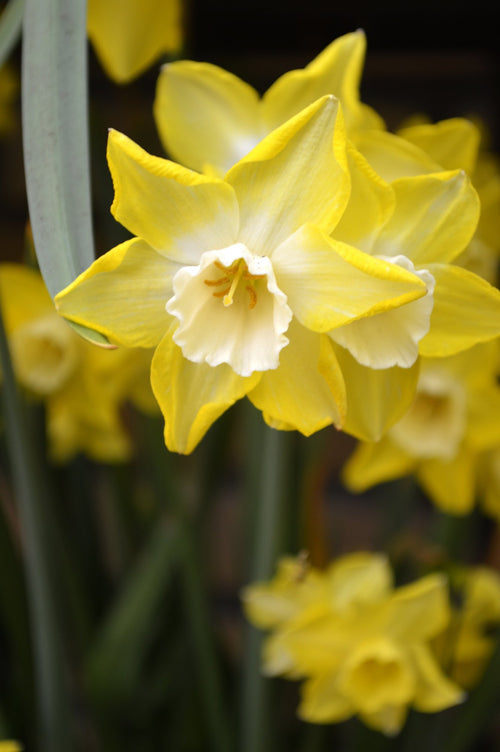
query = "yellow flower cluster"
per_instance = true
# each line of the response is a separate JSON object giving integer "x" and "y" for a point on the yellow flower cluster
{"x": 362, "y": 646}
{"x": 298, "y": 254}
{"x": 83, "y": 387}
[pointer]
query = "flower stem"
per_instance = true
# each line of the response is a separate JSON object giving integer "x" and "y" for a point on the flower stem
{"x": 267, "y": 457}
{"x": 30, "y": 486}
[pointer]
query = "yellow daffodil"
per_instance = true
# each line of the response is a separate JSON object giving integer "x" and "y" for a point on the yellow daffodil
{"x": 83, "y": 386}
{"x": 361, "y": 645}
{"x": 129, "y": 35}
{"x": 10, "y": 746}
{"x": 468, "y": 643}
{"x": 208, "y": 119}
{"x": 457, "y": 144}
{"x": 453, "y": 421}
{"x": 237, "y": 282}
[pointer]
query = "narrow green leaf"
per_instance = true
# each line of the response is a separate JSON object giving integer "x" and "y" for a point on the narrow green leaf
{"x": 11, "y": 21}
{"x": 32, "y": 498}
{"x": 55, "y": 137}
{"x": 115, "y": 660}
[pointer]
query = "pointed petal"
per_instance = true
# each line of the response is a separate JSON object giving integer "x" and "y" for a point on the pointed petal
{"x": 306, "y": 392}
{"x": 393, "y": 157}
{"x": 297, "y": 174}
{"x": 371, "y": 203}
{"x": 375, "y": 399}
{"x": 450, "y": 484}
{"x": 205, "y": 115}
{"x": 128, "y": 39}
{"x": 452, "y": 143}
{"x": 123, "y": 295}
{"x": 434, "y": 219}
{"x": 419, "y": 611}
{"x": 466, "y": 311}
{"x": 336, "y": 70}
{"x": 373, "y": 463}
{"x": 318, "y": 274}
{"x": 434, "y": 691}
{"x": 322, "y": 702}
{"x": 192, "y": 395}
{"x": 178, "y": 212}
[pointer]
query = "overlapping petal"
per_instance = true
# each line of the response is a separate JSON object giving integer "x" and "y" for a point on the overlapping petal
{"x": 306, "y": 392}
{"x": 297, "y": 174}
{"x": 452, "y": 143}
{"x": 336, "y": 70}
{"x": 434, "y": 219}
{"x": 178, "y": 212}
{"x": 123, "y": 295}
{"x": 372, "y": 463}
{"x": 329, "y": 270}
{"x": 376, "y": 399}
{"x": 466, "y": 311}
{"x": 192, "y": 395}
{"x": 205, "y": 115}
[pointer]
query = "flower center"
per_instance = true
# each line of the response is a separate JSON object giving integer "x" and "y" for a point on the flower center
{"x": 232, "y": 275}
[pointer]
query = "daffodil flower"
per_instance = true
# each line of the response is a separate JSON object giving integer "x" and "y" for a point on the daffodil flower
{"x": 236, "y": 281}
{"x": 360, "y": 645}
{"x": 129, "y": 36}
{"x": 82, "y": 386}
{"x": 208, "y": 118}
{"x": 442, "y": 439}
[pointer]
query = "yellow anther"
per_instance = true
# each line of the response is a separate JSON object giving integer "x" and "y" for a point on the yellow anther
{"x": 232, "y": 276}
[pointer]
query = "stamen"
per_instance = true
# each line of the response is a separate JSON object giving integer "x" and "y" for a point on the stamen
{"x": 253, "y": 296}
{"x": 217, "y": 282}
{"x": 228, "y": 300}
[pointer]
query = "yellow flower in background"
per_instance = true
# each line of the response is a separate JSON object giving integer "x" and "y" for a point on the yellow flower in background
{"x": 453, "y": 423}
{"x": 208, "y": 119}
{"x": 130, "y": 35}
{"x": 237, "y": 282}
{"x": 83, "y": 386}
{"x": 11, "y": 746}
{"x": 467, "y": 645}
{"x": 360, "y": 645}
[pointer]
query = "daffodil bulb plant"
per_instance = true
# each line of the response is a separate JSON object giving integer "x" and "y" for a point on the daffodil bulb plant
{"x": 250, "y": 434}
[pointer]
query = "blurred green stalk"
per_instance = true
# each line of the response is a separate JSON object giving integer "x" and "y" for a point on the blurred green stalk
{"x": 267, "y": 473}
{"x": 11, "y": 21}
{"x": 30, "y": 485}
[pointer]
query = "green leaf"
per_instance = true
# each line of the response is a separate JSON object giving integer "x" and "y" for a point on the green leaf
{"x": 11, "y": 21}
{"x": 55, "y": 138}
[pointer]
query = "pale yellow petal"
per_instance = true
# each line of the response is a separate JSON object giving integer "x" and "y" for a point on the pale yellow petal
{"x": 372, "y": 463}
{"x": 376, "y": 399}
{"x": 393, "y": 157}
{"x": 434, "y": 219}
{"x": 177, "y": 211}
{"x": 128, "y": 37}
{"x": 450, "y": 484}
{"x": 23, "y": 295}
{"x": 434, "y": 691}
{"x": 483, "y": 430}
{"x": 192, "y": 395}
{"x": 336, "y": 70}
{"x": 466, "y": 311}
{"x": 318, "y": 274}
{"x": 452, "y": 143}
{"x": 419, "y": 611}
{"x": 306, "y": 392}
{"x": 206, "y": 115}
{"x": 296, "y": 174}
{"x": 370, "y": 204}
{"x": 122, "y": 295}
{"x": 321, "y": 701}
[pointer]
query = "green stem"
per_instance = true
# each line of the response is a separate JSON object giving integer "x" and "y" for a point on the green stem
{"x": 272, "y": 448}
{"x": 479, "y": 711}
{"x": 11, "y": 22}
{"x": 31, "y": 492}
